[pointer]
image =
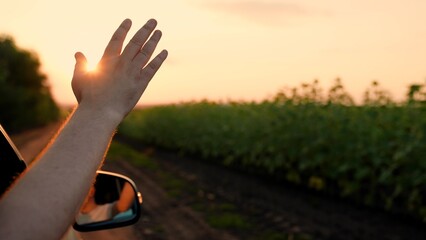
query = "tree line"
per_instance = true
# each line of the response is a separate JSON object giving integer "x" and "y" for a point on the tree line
{"x": 25, "y": 98}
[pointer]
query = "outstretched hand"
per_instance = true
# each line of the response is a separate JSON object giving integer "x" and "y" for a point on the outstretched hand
{"x": 121, "y": 77}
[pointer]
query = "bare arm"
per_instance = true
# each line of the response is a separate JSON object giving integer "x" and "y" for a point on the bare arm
{"x": 43, "y": 202}
{"x": 127, "y": 196}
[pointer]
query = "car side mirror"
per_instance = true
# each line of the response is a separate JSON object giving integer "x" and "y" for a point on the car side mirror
{"x": 113, "y": 201}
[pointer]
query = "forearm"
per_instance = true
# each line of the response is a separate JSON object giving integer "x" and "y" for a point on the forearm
{"x": 127, "y": 197}
{"x": 52, "y": 191}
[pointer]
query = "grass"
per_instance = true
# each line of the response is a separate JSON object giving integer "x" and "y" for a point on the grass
{"x": 174, "y": 186}
{"x": 228, "y": 220}
{"x": 119, "y": 151}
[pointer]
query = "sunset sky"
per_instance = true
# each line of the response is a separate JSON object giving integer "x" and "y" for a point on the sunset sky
{"x": 234, "y": 49}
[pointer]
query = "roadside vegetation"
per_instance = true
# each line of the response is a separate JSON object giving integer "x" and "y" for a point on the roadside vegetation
{"x": 25, "y": 101}
{"x": 370, "y": 153}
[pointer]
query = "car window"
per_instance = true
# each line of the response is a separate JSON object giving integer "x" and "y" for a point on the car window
{"x": 11, "y": 161}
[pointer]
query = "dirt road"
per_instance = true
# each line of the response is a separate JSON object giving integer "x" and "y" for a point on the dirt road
{"x": 32, "y": 142}
{"x": 163, "y": 217}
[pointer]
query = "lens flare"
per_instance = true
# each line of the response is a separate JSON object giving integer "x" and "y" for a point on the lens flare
{"x": 91, "y": 67}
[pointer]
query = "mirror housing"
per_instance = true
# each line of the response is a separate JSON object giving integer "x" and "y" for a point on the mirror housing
{"x": 112, "y": 202}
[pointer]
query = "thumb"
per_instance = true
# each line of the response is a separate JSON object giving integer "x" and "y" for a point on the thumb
{"x": 80, "y": 63}
{"x": 79, "y": 70}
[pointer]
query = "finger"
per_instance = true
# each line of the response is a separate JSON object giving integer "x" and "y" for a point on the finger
{"x": 80, "y": 63}
{"x": 146, "y": 52}
{"x": 138, "y": 40}
{"x": 116, "y": 43}
{"x": 149, "y": 71}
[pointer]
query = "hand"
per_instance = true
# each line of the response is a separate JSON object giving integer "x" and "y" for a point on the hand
{"x": 121, "y": 77}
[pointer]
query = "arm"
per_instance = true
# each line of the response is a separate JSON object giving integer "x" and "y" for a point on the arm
{"x": 44, "y": 201}
{"x": 127, "y": 197}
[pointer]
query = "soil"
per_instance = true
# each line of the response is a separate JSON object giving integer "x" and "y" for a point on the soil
{"x": 271, "y": 210}
{"x": 164, "y": 217}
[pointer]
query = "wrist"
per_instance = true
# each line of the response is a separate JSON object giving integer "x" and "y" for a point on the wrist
{"x": 99, "y": 115}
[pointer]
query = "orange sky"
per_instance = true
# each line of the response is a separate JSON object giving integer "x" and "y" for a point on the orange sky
{"x": 235, "y": 49}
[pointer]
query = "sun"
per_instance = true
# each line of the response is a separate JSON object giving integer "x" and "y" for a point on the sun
{"x": 91, "y": 67}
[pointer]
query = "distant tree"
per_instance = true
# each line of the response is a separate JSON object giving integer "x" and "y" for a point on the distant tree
{"x": 25, "y": 98}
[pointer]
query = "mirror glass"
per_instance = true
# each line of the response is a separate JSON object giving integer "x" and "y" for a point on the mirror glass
{"x": 111, "y": 200}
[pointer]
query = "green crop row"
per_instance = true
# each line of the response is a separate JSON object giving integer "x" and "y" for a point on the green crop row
{"x": 374, "y": 155}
